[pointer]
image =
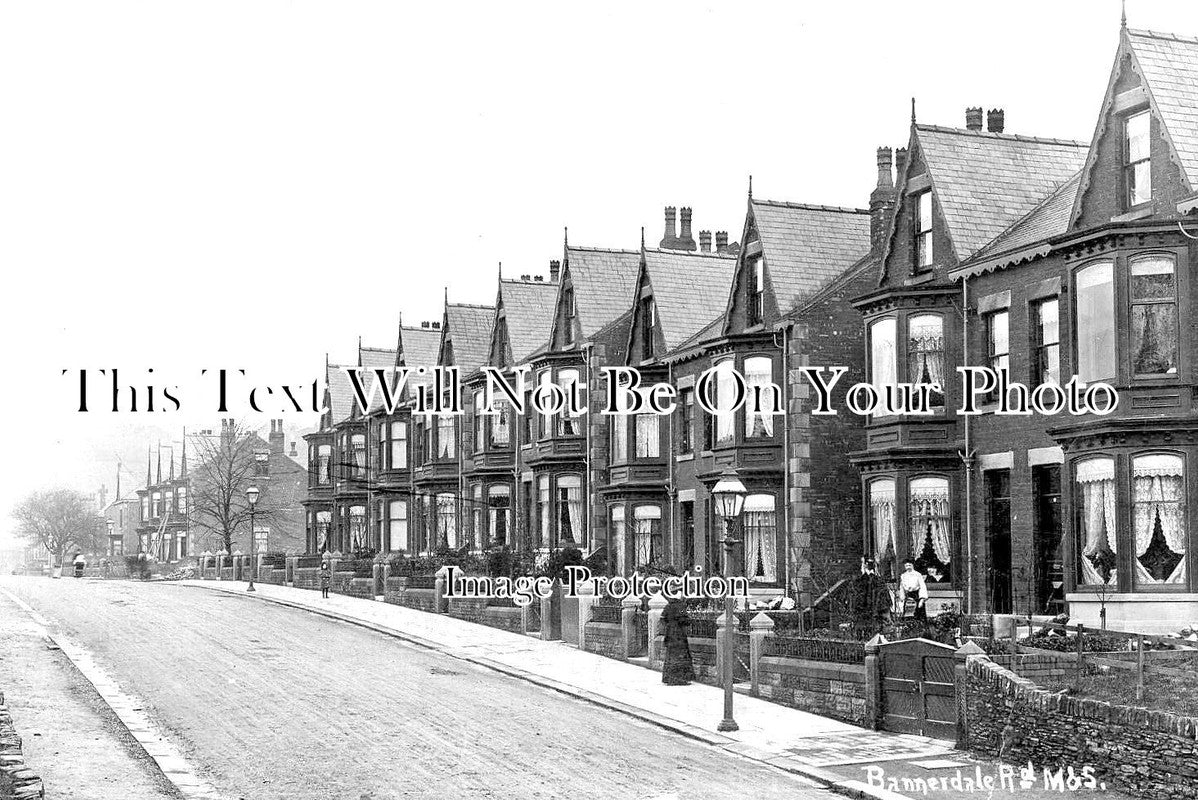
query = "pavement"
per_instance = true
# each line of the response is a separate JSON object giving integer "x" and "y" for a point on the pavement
{"x": 253, "y": 699}
{"x": 841, "y": 757}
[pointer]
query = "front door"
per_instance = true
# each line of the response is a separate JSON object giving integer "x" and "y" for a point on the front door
{"x": 998, "y": 534}
{"x": 918, "y": 688}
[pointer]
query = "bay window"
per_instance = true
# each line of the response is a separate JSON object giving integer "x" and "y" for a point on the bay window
{"x": 931, "y": 528}
{"x": 1046, "y": 341}
{"x": 480, "y": 422}
{"x": 357, "y": 444}
{"x": 619, "y": 438}
{"x": 397, "y": 525}
{"x": 446, "y": 432}
{"x": 646, "y": 535}
{"x": 615, "y": 538}
{"x": 544, "y": 379}
{"x": 1153, "y": 316}
{"x": 925, "y": 353}
{"x": 567, "y": 423}
{"x": 725, "y": 420}
{"x": 1095, "y": 314}
{"x": 569, "y": 510}
{"x": 447, "y": 522}
{"x": 324, "y": 524}
{"x": 357, "y": 528}
{"x": 761, "y": 538}
{"x": 883, "y": 366}
{"x": 646, "y": 434}
{"x": 1096, "y": 526}
{"x": 1158, "y": 519}
{"x": 883, "y": 522}
{"x": 478, "y": 517}
{"x": 398, "y": 430}
{"x": 1137, "y": 159}
{"x": 501, "y": 425}
{"x": 759, "y": 377}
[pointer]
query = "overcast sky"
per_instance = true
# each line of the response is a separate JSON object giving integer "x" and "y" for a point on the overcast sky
{"x": 252, "y": 185}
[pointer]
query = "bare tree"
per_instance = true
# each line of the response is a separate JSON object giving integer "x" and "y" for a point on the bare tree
{"x": 59, "y": 520}
{"x": 224, "y": 468}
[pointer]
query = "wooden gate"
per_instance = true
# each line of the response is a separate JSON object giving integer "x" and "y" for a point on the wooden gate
{"x": 918, "y": 690}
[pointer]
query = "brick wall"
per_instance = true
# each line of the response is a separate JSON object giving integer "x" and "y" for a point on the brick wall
{"x": 398, "y": 593}
{"x": 506, "y": 618}
{"x": 1151, "y": 754}
{"x": 17, "y": 780}
{"x": 831, "y": 690}
{"x": 307, "y": 577}
{"x": 606, "y": 639}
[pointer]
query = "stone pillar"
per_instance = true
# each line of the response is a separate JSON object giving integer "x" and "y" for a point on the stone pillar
{"x": 526, "y": 616}
{"x": 873, "y": 682}
{"x": 721, "y": 652}
{"x": 440, "y": 601}
{"x": 657, "y": 604}
{"x": 628, "y": 609}
{"x": 258, "y": 567}
{"x": 220, "y": 565}
{"x": 205, "y": 565}
{"x": 238, "y": 565}
{"x": 959, "y": 680}
{"x": 377, "y": 576}
{"x": 586, "y": 601}
{"x": 546, "y": 618}
{"x": 289, "y": 577}
{"x": 760, "y": 628}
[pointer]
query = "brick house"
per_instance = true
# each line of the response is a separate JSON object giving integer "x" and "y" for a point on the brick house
{"x": 1094, "y": 282}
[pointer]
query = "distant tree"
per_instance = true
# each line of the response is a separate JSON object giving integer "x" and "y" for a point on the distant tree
{"x": 224, "y": 468}
{"x": 61, "y": 520}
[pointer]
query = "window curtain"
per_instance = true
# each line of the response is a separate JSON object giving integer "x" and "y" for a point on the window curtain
{"x": 447, "y": 532}
{"x": 926, "y": 347}
{"x": 1097, "y": 480}
{"x": 759, "y": 373}
{"x": 883, "y": 356}
{"x": 573, "y": 487}
{"x": 357, "y": 526}
{"x": 616, "y": 539}
{"x": 619, "y": 438}
{"x": 761, "y": 540}
{"x": 882, "y": 510}
{"x": 930, "y": 514}
{"x": 645, "y": 525}
{"x": 543, "y": 509}
{"x": 647, "y": 444}
{"x": 1157, "y": 490}
{"x": 725, "y": 421}
{"x": 501, "y": 425}
{"x": 567, "y": 422}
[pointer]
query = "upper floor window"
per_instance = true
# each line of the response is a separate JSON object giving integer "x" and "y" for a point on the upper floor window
{"x": 480, "y": 423}
{"x": 923, "y": 231}
{"x": 567, "y": 423}
{"x": 399, "y": 444}
{"x": 756, "y": 291}
{"x": 543, "y": 420}
{"x": 686, "y": 421}
{"x": 1095, "y": 313}
{"x": 1096, "y": 525}
{"x": 262, "y": 462}
{"x": 324, "y": 463}
{"x": 1153, "y": 316}
{"x": 501, "y": 425}
{"x": 145, "y": 508}
{"x": 883, "y": 367}
{"x": 1137, "y": 159}
{"x": 648, "y": 326}
{"x": 357, "y": 444}
{"x": 526, "y": 429}
{"x": 1046, "y": 341}
{"x": 1158, "y": 518}
{"x": 619, "y": 438}
{"x": 180, "y": 498}
{"x": 925, "y": 353}
{"x": 998, "y": 344}
{"x": 759, "y": 380}
{"x": 646, "y": 434}
{"x": 446, "y": 433}
{"x": 725, "y": 421}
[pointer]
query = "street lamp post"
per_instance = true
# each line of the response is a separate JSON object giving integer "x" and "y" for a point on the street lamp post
{"x": 107, "y": 561}
{"x": 729, "y": 494}
{"x": 251, "y": 494}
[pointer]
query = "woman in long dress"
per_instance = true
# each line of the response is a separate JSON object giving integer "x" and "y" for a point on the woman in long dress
{"x": 678, "y": 669}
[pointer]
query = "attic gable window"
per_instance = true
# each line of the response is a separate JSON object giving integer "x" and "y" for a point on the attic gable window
{"x": 756, "y": 291}
{"x": 1137, "y": 159}
{"x": 648, "y": 324}
{"x": 570, "y": 312}
{"x": 923, "y": 231}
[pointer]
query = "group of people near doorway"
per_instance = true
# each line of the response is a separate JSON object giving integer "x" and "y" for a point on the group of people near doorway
{"x": 874, "y": 603}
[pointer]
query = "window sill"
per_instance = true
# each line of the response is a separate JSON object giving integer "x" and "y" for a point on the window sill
{"x": 685, "y": 457}
{"x": 1137, "y": 212}
{"x": 923, "y": 276}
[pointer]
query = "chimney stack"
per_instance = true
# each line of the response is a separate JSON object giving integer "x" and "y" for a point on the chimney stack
{"x": 881, "y": 201}
{"x": 277, "y": 437}
{"x": 424, "y": 324}
{"x": 538, "y": 278}
{"x": 555, "y": 271}
{"x": 670, "y": 240}
{"x": 436, "y": 325}
{"x": 721, "y": 241}
{"x": 973, "y": 118}
{"x": 704, "y": 241}
{"x": 900, "y": 163}
{"x": 685, "y": 240}
{"x": 293, "y": 453}
{"x": 526, "y": 277}
{"x": 995, "y": 120}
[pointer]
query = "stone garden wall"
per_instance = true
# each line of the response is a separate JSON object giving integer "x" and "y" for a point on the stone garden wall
{"x": 399, "y": 593}
{"x": 832, "y": 690}
{"x": 606, "y": 639}
{"x": 1152, "y": 754}
{"x": 506, "y": 618}
{"x": 17, "y": 780}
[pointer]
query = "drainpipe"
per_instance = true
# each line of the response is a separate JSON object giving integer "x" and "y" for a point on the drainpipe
{"x": 517, "y": 424}
{"x": 671, "y": 488}
{"x": 590, "y": 483}
{"x": 967, "y": 455}
{"x": 786, "y": 461}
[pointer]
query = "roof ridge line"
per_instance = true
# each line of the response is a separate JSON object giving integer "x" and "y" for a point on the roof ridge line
{"x": 701, "y": 254}
{"x": 812, "y": 206}
{"x": 1161, "y": 35}
{"x": 1020, "y": 137}
{"x": 602, "y": 249}
{"x": 471, "y": 305}
{"x": 528, "y": 282}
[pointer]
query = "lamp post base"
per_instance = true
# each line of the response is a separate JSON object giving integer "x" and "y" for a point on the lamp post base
{"x": 251, "y": 588}
{"x": 727, "y": 724}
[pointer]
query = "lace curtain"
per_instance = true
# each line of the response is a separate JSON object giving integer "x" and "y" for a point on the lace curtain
{"x": 646, "y": 521}
{"x": 930, "y": 517}
{"x": 1157, "y": 490}
{"x": 882, "y": 511}
{"x": 573, "y": 489}
{"x": 925, "y": 348}
{"x": 447, "y": 528}
{"x": 761, "y": 540}
{"x": 1099, "y": 541}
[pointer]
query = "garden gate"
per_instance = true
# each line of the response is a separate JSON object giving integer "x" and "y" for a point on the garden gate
{"x": 918, "y": 689}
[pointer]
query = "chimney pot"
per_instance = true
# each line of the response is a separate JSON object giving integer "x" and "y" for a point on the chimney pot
{"x": 671, "y": 236}
{"x": 705, "y": 241}
{"x": 555, "y": 270}
{"x": 526, "y": 277}
{"x": 436, "y": 325}
{"x": 995, "y": 120}
{"x": 885, "y": 164}
{"x": 424, "y": 324}
{"x": 900, "y": 162}
{"x": 973, "y": 118}
{"x": 685, "y": 240}
{"x": 721, "y": 241}
{"x": 538, "y": 278}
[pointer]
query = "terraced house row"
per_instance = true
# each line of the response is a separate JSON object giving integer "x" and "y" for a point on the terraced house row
{"x": 1043, "y": 257}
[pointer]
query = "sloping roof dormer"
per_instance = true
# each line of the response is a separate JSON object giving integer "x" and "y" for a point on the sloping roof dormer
{"x": 600, "y": 282}
{"x": 682, "y": 291}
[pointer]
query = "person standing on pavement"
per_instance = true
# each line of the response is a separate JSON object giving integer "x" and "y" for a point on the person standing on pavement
{"x": 326, "y": 578}
{"x": 678, "y": 669}
{"x": 914, "y": 588}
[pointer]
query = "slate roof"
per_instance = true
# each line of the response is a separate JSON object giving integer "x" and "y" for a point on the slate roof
{"x": 806, "y": 246}
{"x": 603, "y": 283}
{"x": 370, "y": 359}
{"x": 341, "y": 394}
{"x": 688, "y": 288}
{"x": 469, "y": 328}
{"x": 528, "y": 312}
{"x": 713, "y": 329}
{"x": 984, "y": 182}
{"x": 1049, "y": 218}
{"x": 420, "y": 346}
{"x": 1170, "y": 65}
